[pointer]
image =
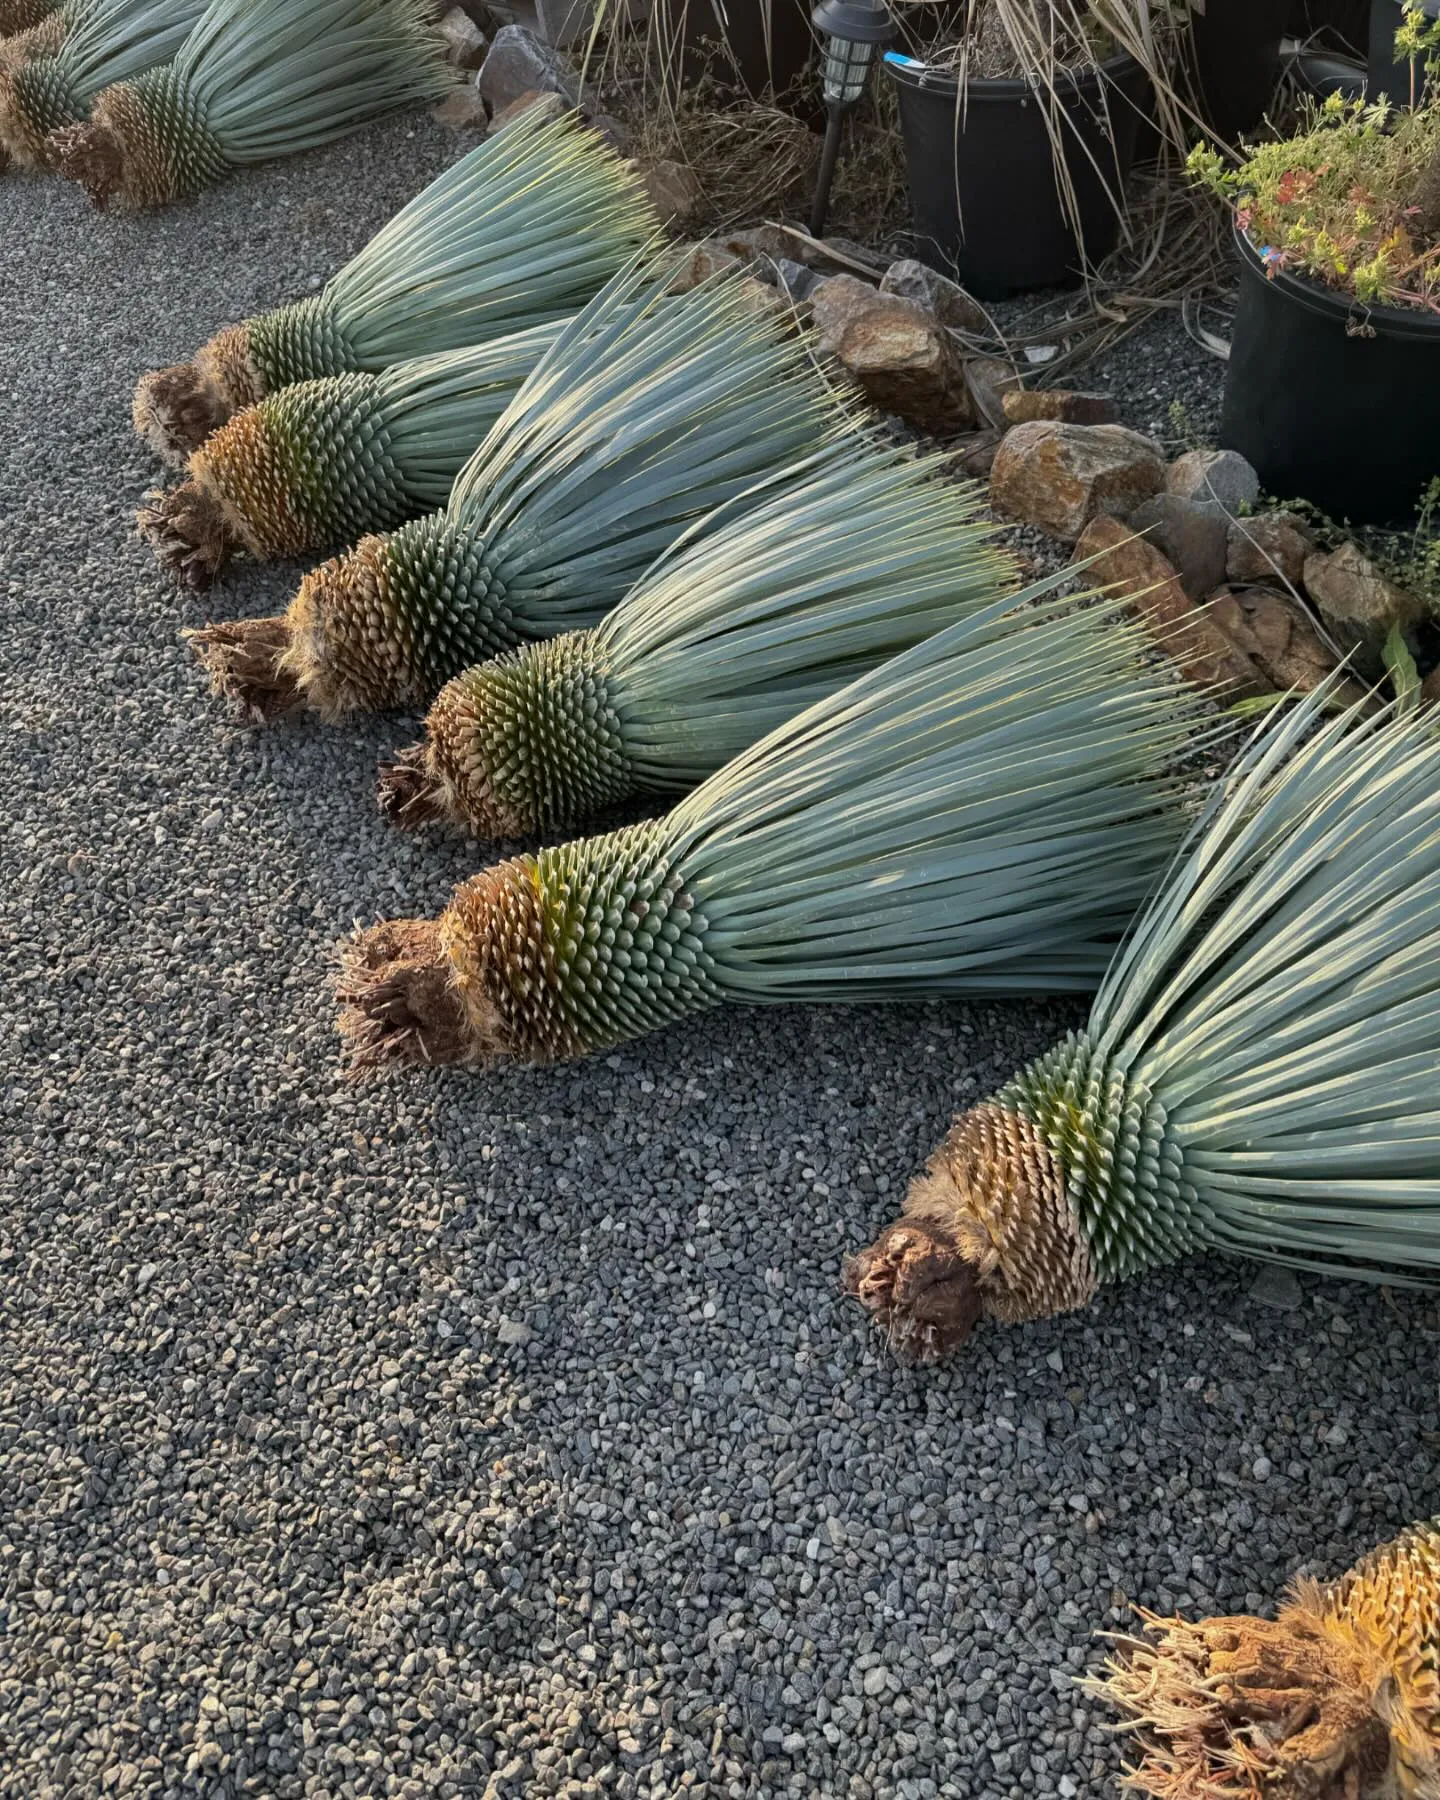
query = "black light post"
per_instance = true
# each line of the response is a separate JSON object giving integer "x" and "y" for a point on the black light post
{"x": 852, "y": 31}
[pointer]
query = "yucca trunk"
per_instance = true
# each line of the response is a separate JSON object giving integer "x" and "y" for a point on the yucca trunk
{"x": 524, "y": 230}
{"x": 1258, "y": 1075}
{"x": 649, "y": 411}
{"x": 255, "y": 79}
{"x": 1338, "y": 1696}
{"x": 23, "y": 15}
{"x": 323, "y": 462}
{"x": 981, "y": 814}
{"x": 111, "y": 41}
{"x": 718, "y": 643}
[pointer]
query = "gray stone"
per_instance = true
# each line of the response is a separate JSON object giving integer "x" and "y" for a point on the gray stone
{"x": 1277, "y": 1288}
{"x": 519, "y": 64}
{"x": 990, "y": 380}
{"x": 1192, "y": 536}
{"x": 1219, "y": 479}
{"x": 949, "y": 302}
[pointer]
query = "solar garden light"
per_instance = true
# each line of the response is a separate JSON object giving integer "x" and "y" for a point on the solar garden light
{"x": 851, "y": 30}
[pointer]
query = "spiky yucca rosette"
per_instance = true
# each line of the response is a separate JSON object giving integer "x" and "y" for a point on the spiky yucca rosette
{"x": 1258, "y": 1075}
{"x": 23, "y": 15}
{"x": 980, "y": 814}
{"x": 325, "y": 461}
{"x": 1337, "y": 1698}
{"x": 105, "y": 41}
{"x": 525, "y": 229}
{"x": 255, "y": 79}
{"x": 649, "y": 411}
{"x": 721, "y": 641}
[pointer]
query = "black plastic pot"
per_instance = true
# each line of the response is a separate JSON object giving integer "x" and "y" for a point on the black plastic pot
{"x": 1386, "y": 75}
{"x": 1330, "y": 401}
{"x": 1235, "y": 52}
{"x": 982, "y": 173}
{"x": 743, "y": 46}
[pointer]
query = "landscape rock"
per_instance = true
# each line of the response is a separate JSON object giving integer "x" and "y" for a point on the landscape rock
{"x": 1219, "y": 479}
{"x": 794, "y": 280}
{"x": 706, "y": 258}
{"x": 507, "y": 115}
{"x": 974, "y": 454}
{"x": 1267, "y": 546}
{"x": 1193, "y": 537}
{"x": 1277, "y": 1288}
{"x": 951, "y": 305}
{"x": 1135, "y": 570}
{"x": 1276, "y": 633}
{"x": 990, "y": 379}
{"x": 674, "y": 190}
{"x": 1358, "y": 603}
{"x": 465, "y": 43}
{"x": 1022, "y": 405}
{"x": 896, "y": 350}
{"x": 463, "y": 110}
{"x": 1430, "y": 687}
{"x": 519, "y": 64}
{"x": 1061, "y": 476}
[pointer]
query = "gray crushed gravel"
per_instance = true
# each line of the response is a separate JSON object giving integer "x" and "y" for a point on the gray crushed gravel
{"x": 510, "y": 1436}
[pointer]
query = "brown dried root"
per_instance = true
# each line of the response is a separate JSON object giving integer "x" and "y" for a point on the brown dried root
{"x": 192, "y": 532}
{"x": 248, "y": 661}
{"x": 1246, "y": 1709}
{"x": 987, "y": 1231}
{"x": 408, "y": 791}
{"x": 175, "y": 409}
{"x": 92, "y": 155}
{"x": 400, "y": 1006}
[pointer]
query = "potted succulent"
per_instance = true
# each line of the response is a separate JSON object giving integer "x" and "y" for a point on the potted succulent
{"x": 1333, "y": 385}
{"x": 1019, "y": 125}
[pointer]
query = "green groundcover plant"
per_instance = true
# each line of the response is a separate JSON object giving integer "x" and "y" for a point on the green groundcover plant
{"x": 1351, "y": 201}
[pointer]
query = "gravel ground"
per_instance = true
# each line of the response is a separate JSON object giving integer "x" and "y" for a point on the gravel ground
{"x": 509, "y": 1436}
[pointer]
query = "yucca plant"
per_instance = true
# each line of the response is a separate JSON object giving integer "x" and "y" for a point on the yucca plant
{"x": 324, "y": 461}
{"x": 109, "y": 42}
{"x": 1336, "y": 1698}
{"x": 526, "y": 228}
{"x": 981, "y": 814}
{"x": 254, "y": 80}
{"x": 23, "y": 15}
{"x": 1258, "y": 1075}
{"x": 718, "y": 643}
{"x": 649, "y": 411}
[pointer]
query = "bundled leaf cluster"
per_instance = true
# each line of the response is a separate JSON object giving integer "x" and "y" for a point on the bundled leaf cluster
{"x": 254, "y": 79}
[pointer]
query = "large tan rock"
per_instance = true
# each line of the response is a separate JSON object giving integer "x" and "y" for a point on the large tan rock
{"x": 1071, "y": 408}
{"x": 896, "y": 350}
{"x": 465, "y": 42}
{"x": 1276, "y": 633}
{"x": 1268, "y": 546}
{"x": 1060, "y": 476}
{"x": 674, "y": 190}
{"x": 463, "y": 110}
{"x": 1136, "y": 571}
{"x": 1359, "y": 604}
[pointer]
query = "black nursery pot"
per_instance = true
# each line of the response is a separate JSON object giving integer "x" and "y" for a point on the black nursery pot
{"x": 1235, "y": 54}
{"x": 1330, "y": 401}
{"x": 982, "y": 173}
